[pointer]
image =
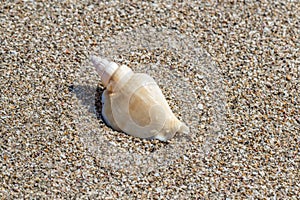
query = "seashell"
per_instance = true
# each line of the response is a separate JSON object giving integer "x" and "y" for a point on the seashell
{"x": 133, "y": 103}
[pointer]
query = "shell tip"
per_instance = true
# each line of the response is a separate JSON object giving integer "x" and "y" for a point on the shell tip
{"x": 183, "y": 134}
{"x": 99, "y": 63}
{"x": 94, "y": 59}
{"x": 184, "y": 129}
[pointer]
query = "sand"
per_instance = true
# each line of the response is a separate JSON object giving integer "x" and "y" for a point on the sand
{"x": 229, "y": 70}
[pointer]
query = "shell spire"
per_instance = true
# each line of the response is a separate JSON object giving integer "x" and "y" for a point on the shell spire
{"x": 104, "y": 68}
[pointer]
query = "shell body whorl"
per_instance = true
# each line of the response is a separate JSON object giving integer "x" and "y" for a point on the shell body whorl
{"x": 134, "y": 103}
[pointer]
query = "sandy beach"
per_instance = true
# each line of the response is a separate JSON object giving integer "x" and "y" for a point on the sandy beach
{"x": 230, "y": 70}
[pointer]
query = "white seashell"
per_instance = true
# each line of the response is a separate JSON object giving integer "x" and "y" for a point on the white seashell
{"x": 133, "y": 103}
